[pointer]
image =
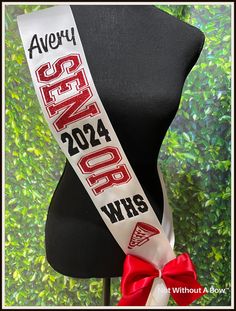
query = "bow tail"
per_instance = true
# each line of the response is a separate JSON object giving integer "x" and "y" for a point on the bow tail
{"x": 182, "y": 294}
{"x": 137, "y": 298}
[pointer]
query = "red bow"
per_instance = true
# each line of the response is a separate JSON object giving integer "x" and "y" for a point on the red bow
{"x": 178, "y": 274}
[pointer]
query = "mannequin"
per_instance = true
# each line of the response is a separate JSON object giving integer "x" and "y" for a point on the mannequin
{"x": 139, "y": 58}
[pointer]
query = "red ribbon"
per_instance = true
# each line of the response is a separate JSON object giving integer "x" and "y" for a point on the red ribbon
{"x": 178, "y": 274}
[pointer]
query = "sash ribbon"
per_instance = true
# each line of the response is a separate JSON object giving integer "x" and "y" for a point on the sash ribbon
{"x": 178, "y": 274}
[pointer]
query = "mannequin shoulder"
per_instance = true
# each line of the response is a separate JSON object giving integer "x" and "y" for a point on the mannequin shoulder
{"x": 177, "y": 30}
{"x": 183, "y": 41}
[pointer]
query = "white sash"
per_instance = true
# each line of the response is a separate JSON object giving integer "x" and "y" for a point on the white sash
{"x": 79, "y": 123}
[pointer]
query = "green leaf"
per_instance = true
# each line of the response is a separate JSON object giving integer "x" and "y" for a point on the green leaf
{"x": 209, "y": 202}
{"x": 189, "y": 156}
{"x": 186, "y": 136}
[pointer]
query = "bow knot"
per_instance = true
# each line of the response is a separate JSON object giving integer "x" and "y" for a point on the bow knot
{"x": 179, "y": 276}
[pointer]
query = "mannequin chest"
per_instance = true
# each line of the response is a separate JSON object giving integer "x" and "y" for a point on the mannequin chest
{"x": 136, "y": 54}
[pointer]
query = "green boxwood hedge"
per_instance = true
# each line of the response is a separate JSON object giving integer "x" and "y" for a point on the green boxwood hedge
{"x": 195, "y": 160}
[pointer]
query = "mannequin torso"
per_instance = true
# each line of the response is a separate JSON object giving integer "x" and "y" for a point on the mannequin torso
{"x": 139, "y": 58}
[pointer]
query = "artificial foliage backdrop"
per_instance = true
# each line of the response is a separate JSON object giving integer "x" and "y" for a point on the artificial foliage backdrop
{"x": 195, "y": 160}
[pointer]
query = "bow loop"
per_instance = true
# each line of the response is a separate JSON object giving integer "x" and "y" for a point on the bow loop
{"x": 184, "y": 264}
{"x": 139, "y": 274}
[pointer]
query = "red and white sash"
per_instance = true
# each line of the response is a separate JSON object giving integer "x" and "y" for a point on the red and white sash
{"x": 81, "y": 126}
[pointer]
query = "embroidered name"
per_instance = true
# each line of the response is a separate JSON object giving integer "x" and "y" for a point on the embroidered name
{"x": 51, "y": 41}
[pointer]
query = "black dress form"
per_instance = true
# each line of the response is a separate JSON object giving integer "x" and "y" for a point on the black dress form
{"x": 139, "y": 58}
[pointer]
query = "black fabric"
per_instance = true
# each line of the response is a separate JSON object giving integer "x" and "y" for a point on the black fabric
{"x": 139, "y": 57}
